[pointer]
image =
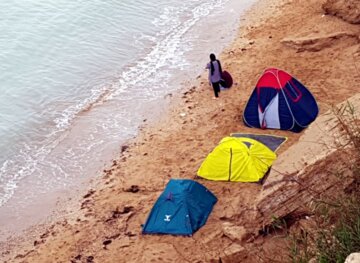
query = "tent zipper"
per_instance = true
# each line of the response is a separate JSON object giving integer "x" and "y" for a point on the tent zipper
{"x": 230, "y": 164}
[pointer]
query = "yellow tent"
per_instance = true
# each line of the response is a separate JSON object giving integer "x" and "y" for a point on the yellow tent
{"x": 237, "y": 159}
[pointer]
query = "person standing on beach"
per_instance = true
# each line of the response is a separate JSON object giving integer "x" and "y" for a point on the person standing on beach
{"x": 214, "y": 67}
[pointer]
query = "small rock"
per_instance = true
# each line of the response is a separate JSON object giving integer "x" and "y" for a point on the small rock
{"x": 133, "y": 189}
{"x": 107, "y": 242}
{"x": 89, "y": 193}
{"x": 124, "y": 148}
{"x": 235, "y": 233}
{"x": 234, "y": 253}
{"x": 353, "y": 258}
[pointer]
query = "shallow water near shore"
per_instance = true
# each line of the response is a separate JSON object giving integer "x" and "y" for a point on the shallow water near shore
{"x": 79, "y": 78}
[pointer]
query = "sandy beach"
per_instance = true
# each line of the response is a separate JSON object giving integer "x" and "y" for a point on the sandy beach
{"x": 322, "y": 51}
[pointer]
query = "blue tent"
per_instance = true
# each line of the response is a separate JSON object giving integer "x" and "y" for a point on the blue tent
{"x": 279, "y": 101}
{"x": 181, "y": 209}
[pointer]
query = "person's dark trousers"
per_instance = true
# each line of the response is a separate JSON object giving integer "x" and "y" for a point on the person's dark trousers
{"x": 216, "y": 87}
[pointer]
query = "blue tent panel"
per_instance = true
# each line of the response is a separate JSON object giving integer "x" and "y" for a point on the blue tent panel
{"x": 286, "y": 118}
{"x": 251, "y": 111}
{"x": 181, "y": 209}
{"x": 265, "y": 97}
{"x": 306, "y": 111}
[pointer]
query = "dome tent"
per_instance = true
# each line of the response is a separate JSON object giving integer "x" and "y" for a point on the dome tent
{"x": 279, "y": 101}
{"x": 181, "y": 209}
{"x": 237, "y": 159}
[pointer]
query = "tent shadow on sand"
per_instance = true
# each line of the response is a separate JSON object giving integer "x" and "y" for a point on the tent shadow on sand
{"x": 260, "y": 182}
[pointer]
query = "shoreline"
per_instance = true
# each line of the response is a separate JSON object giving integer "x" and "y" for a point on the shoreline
{"x": 12, "y": 219}
{"x": 175, "y": 145}
{"x": 58, "y": 211}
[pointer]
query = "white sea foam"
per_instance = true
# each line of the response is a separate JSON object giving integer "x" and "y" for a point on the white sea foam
{"x": 143, "y": 81}
{"x": 159, "y": 53}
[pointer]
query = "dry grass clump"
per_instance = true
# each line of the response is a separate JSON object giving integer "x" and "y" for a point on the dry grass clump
{"x": 337, "y": 219}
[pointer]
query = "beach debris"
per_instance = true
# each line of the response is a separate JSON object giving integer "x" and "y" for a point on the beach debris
{"x": 124, "y": 148}
{"x": 76, "y": 259}
{"x": 182, "y": 114}
{"x": 85, "y": 204}
{"x": 133, "y": 189}
{"x": 116, "y": 213}
{"x": 45, "y": 235}
{"x": 25, "y": 254}
{"x": 106, "y": 242}
{"x": 89, "y": 193}
{"x": 113, "y": 236}
{"x": 129, "y": 234}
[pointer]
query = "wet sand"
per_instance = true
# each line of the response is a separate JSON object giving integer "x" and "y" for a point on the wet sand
{"x": 319, "y": 50}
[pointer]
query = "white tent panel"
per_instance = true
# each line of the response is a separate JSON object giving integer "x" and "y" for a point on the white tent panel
{"x": 270, "y": 117}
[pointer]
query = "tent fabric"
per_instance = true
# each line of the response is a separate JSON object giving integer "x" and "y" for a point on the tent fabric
{"x": 237, "y": 159}
{"x": 271, "y": 141}
{"x": 279, "y": 101}
{"x": 181, "y": 209}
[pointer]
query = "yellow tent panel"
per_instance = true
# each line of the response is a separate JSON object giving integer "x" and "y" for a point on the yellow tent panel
{"x": 237, "y": 159}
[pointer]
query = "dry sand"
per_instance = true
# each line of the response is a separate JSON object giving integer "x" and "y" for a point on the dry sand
{"x": 323, "y": 52}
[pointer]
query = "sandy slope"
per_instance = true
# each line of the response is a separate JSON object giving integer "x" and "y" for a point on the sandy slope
{"x": 321, "y": 51}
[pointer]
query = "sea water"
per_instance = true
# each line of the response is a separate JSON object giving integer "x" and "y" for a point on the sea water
{"x": 77, "y": 78}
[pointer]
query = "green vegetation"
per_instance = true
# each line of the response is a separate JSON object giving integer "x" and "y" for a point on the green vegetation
{"x": 336, "y": 230}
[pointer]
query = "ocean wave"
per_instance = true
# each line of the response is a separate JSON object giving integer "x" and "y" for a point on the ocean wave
{"x": 143, "y": 80}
